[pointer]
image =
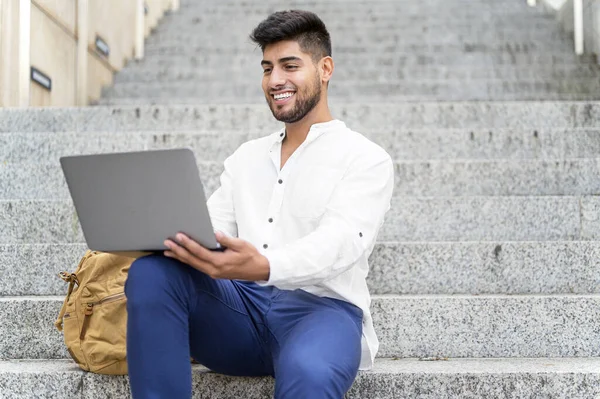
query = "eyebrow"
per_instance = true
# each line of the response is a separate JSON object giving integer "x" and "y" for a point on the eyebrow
{"x": 281, "y": 60}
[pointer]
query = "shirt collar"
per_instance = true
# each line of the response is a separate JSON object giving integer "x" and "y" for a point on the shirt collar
{"x": 315, "y": 131}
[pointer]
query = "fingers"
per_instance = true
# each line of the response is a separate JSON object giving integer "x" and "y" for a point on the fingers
{"x": 229, "y": 242}
{"x": 196, "y": 249}
{"x": 183, "y": 255}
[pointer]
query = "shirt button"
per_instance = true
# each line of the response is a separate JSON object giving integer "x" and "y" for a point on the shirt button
{"x": 279, "y": 181}
{"x": 270, "y": 220}
{"x": 281, "y": 135}
{"x": 360, "y": 234}
{"x": 265, "y": 246}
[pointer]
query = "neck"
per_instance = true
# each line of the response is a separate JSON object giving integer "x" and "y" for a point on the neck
{"x": 295, "y": 133}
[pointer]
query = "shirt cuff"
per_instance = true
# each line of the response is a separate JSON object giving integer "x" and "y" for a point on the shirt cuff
{"x": 278, "y": 263}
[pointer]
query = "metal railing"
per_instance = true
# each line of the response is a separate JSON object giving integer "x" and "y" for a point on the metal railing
{"x": 585, "y": 25}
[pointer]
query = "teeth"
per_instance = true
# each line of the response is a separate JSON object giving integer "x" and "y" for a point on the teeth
{"x": 283, "y": 95}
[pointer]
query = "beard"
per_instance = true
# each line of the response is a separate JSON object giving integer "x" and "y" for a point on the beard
{"x": 305, "y": 101}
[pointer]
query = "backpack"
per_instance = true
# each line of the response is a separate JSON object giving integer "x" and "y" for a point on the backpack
{"x": 94, "y": 314}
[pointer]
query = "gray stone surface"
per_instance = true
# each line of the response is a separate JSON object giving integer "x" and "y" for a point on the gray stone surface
{"x": 434, "y": 89}
{"x": 33, "y": 269}
{"x": 40, "y": 379}
{"x": 407, "y": 326}
{"x": 402, "y": 144}
{"x": 382, "y": 73}
{"x": 176, "y": 48}
{"x": 487, "y": 326}
{"x": 590, "y": 218}
{"x": 28, "y": 330}
{"x": 251, "y": 60}
{"x": 485, "y": 268}
{"x": 389, "y": 379}
{"x": 484, "y": 218}
{"x": 413, "y": 178}
{"x": 443, "y": 178}
{"x": 47, "y": 182}
{"x": 49, "y": 147}
{"x": 409, "y": 219}
{"x": 41, "y": 221}
{"x": 555, "y": 267}
{"x": 373, "y": 117}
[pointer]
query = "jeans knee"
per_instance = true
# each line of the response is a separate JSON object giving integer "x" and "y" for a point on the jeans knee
{"x": 149, "y": 278}
{"x": 309, "y": 374}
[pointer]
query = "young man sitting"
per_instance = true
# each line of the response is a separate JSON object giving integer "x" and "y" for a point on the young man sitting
{"x": 299, "y": 212}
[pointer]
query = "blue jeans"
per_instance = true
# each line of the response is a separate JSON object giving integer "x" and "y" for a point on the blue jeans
{"x": 310, "y": 344}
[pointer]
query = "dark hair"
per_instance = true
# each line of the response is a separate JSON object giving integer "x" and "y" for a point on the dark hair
{"x": 304, "y": 27}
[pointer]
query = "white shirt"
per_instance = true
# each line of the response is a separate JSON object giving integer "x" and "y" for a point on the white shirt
{"x": 317, "y": 218}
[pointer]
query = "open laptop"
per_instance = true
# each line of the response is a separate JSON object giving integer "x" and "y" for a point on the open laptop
{"x": 133, "y": 201}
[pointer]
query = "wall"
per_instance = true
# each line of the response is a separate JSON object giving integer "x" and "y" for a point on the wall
{"x": 58, "y": 38}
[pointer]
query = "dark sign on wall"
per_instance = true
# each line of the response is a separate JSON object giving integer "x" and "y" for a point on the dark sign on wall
{"x": 41, "y": 78}
{"x": 102, "y": 46}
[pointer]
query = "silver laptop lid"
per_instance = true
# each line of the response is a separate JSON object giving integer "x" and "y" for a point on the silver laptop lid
{"x": 133, "y": 201}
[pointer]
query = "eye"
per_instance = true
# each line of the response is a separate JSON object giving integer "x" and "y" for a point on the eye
{"x": 266, "y": 70}
{"x": 291, "y": 67}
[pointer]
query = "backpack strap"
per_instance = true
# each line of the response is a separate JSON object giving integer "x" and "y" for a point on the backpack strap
{"x": 71, "y": 278}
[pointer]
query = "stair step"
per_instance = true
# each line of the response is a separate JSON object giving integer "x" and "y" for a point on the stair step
{"x": 380, "y": 36}
{"x": 412, "y": 178}
{"x": 384, "y": 91}
{"x": 573, "y": 378}
{"x": 251, "y": 60}
{"x": 172, "y": 73}
{"x": 407, "y": 326}
{"x": 537, "y": 218}
{"x": 361, "y": 117}
{"x": 177, "y": 49}
{"x": 501, "y": 267}
{"x": 401, "y": 144}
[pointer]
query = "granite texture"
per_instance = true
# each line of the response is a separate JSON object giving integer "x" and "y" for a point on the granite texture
{"x": 28, "y": 330}
{"x": 590, "y": 218}
{"x": 531, "y": 218}
{"x": 402, "y": 144}
{"x": 487, "y": 326}
{"x": 389, "y": 379}
{"x": 553, "y": 267}
{"x": 556, "y": 267}
{"x": 33, "y": 269}
{"x": 398, "y": 97}
{"x": 176, "y": 48}
{"x": 380, "y": 74}
{"x": 454, "y": 90}
{"x": 483, "y": 219}
{"x": 374, "y": 117}
{"x": 39, "y": 221}
{"x": 413, "y": 178}
{"x": 384, "y": 37}
{"x": 407, "y": 326}
{"x": 485, "y": 178}
{"x": 251, "y": 58}
{"x": 47, "y": 182}
{"x": 40, "y": 380}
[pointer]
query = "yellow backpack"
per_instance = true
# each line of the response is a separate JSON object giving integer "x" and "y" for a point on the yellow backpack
{"x": 94, "y": 314}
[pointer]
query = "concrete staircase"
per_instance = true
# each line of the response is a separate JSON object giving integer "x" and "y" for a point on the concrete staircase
{"x": 490, "y": 255}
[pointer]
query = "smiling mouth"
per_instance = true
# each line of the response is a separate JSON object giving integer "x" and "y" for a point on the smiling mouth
{"x": 281, "y": 98}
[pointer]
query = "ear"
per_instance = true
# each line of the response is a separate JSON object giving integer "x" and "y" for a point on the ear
{"x": 326, "y": 66}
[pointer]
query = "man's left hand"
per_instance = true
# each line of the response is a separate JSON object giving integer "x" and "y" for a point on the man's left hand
{"x": 240, "y": 261}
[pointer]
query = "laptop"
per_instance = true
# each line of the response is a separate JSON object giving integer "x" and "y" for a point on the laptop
{"x": 134, "y": 201}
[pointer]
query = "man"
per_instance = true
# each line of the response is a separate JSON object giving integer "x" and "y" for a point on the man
{"x": 298, "y": 212}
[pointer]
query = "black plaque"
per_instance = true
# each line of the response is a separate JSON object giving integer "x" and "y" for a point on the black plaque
{"x": 41, "y": 78}
{"x": 102, "y": 46}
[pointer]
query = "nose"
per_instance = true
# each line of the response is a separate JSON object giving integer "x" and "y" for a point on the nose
{"x": 276, "y": 78}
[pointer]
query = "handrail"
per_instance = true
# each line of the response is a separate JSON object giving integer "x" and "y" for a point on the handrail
{"x": 578, "y": 24}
